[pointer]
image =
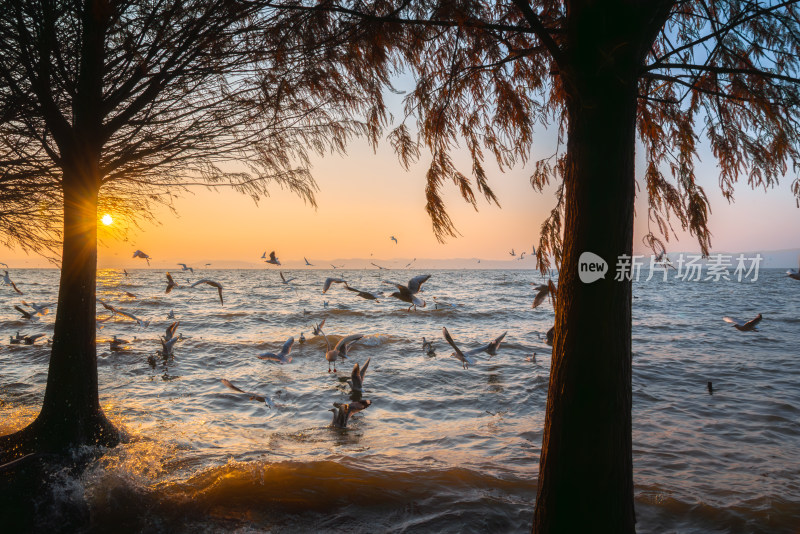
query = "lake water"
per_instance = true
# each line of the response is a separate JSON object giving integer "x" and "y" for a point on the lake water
{"x": 441, "y": 449}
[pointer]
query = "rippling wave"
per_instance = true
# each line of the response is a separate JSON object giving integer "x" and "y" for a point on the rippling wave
{"x": 441, "y": 448}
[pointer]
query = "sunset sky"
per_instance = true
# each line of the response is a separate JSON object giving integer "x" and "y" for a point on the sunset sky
{"x": 365, "y": 198}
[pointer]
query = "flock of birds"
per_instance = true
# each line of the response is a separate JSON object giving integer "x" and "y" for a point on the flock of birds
{"x": 407, "y": 293}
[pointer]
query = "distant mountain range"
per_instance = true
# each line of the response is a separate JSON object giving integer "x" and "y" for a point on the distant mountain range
{"x": 784, "y": 259}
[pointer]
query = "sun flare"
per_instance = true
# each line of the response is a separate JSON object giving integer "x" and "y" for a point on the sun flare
{"x": 107, "y": 220}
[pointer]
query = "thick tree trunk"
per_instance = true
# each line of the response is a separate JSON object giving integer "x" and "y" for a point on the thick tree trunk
{"x": 71, "y": 413}
{"x": 585, "y": 470}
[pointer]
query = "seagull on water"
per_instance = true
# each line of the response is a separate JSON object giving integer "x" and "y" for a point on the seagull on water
{"x": 212, "y": 283}
{"x": 185, "y": 267}
{"x": 8, "y": 282}
{"x": 302, "y": 338}
{"x": 427, "y": 346}
{"x": 794, "y": 275}
{"x": 317, "y": 329}
{"x": 357, "y": 376}
{"x": 409, "y": 293}
{"x": 116, "y": 344}
{"x": 342, "y": 412}
{"x": 283, "y": 356}
{"x": 171, "y": 314}
{"x": 140, "y": 254}
{"x": 749, "y": 326}
{"x": 30, "y": 340}
{"x": 253, "y": 396}
{"x": 272, "y": 259}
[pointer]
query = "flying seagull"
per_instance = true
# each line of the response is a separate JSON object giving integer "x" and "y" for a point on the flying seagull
{"x": 337, "y": 266}
{"x": 409, "y": 263}
{"x": 272, "y": 259}
{"x": 409, "y": 293}
{"x": 169, "y": 339}
{"x": 342, "y": 412}
{"x": 283, "y": 356}
{"x": 184, "y": 267}
{"x": 427, "y": 346}
{"x": 212, "y": 283}
{"x": 376, "y": 265}
{"x": 170, "y": 283}
{"x": 393, "y": 238}
{"x": 749, "y": 326}
{"x": 140, "y": 254}
{"x": 308, "y": 264}
{"x": 467, "y": 358}
{"x": 542, "y": 291}
{"x": 357, "y": 376}
{"x": 329, "y": 281}
{"x": 340, "y": 350}
{"x": 40, "y": 309}
{"x": 8, "y": 282}
{"x": 253, "y": 396}
{"x": 31, "y": 316}
{"x": 512, "y": 252}
{"x": 364, "y": 294}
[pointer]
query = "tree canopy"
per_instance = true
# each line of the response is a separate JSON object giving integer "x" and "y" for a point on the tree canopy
{"x": 171, "y": 94}
{"x": 488, "y": 74}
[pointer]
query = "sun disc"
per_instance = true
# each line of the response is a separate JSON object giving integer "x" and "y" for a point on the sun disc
{"x": 107, "y": 219}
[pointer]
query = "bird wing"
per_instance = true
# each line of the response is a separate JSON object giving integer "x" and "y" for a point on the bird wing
{"x": 415, "y": 283}
{"x": 182, "y": 265}
{"x": 540, "y": 296}
{"x": 270, "y": 357}
{"x": 752, "y": 322}
{"x": 219, "y": 290}
{"x": 33, "y": 338}
{"x": 460, "y": 355}
{"x": 732, "y": 320}
{"x": 282, "y": 277}
{"x": 26, "y": 314}
{"x": 342, "y": 345}
{"x": 171, "y": 329}
{"x": 329, "y": 281}
{"x": 356, "y": 377}
{"x": 492, "y": 347}
{"x": 13, "y": 285}
{"x": 287, "y": 348}
{"x": 363, "y": 371}
{"x": 231, "y": 386}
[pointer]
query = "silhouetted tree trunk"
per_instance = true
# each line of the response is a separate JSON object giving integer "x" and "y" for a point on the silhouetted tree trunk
{"x": 71, "y": 413}
{"x": 585, "y": 472}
